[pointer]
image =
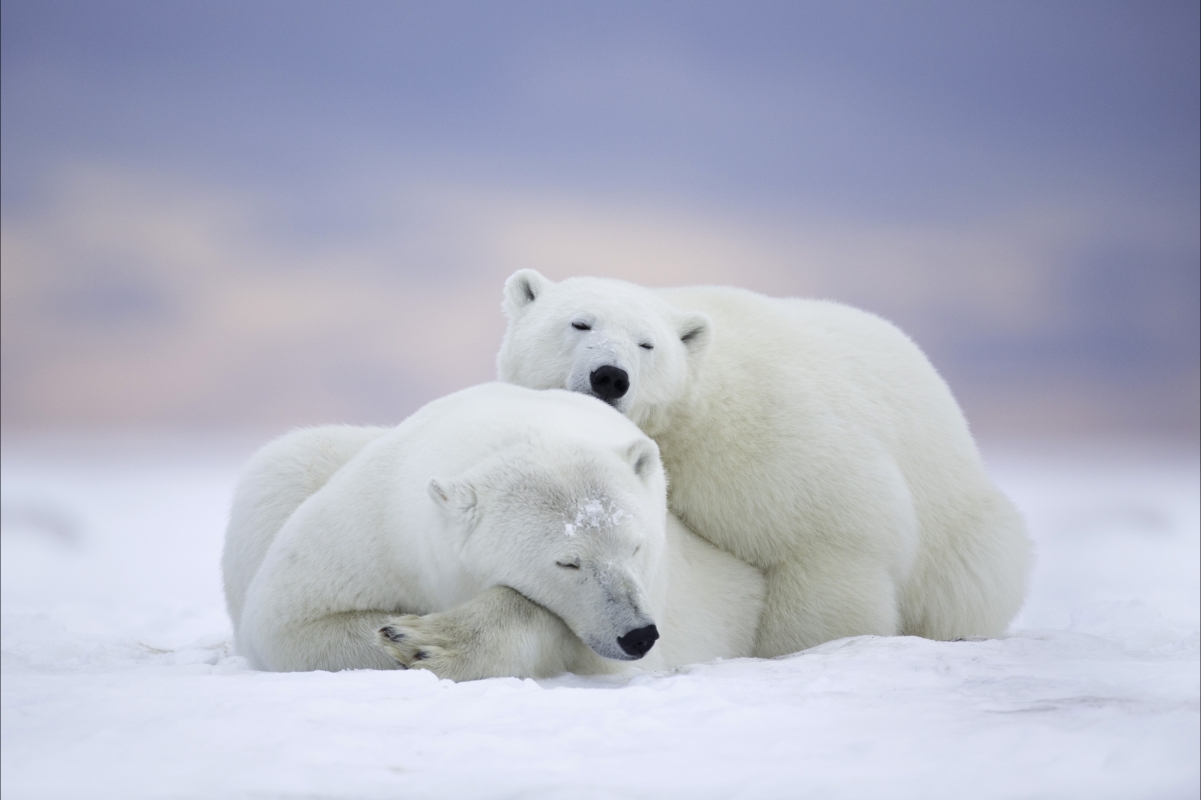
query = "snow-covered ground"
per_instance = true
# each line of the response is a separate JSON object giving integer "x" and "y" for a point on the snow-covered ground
{"x": 119, "y": 680}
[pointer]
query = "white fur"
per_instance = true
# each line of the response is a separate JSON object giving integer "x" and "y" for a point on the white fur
{"x": 494, "y": 532}
{"x": 809, "y": 439}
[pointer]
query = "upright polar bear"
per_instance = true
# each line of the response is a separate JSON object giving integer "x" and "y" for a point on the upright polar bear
{"x": 809, "y": 439}
{"x": 339, "y": 536}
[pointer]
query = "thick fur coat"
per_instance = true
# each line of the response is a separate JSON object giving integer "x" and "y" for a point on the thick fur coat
{"x": 807, "y": 438}
{"x": 497, "y": 531}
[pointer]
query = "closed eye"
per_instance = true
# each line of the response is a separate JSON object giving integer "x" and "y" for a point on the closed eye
{"x": 647, "y": 346}
{"x": 581, "y": 326}
{"x": 568, "y": 564}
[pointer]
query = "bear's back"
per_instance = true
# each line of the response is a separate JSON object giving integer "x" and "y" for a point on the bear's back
{"x": 454, "y": 432}
{"x": 279, "y": 477}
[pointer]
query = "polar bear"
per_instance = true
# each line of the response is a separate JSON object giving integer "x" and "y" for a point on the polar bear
{"x": 810, "y": 439}
{"x": 424, "y": 545}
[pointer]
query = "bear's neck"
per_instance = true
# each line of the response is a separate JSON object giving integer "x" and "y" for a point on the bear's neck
{"x": 677, "y": 417}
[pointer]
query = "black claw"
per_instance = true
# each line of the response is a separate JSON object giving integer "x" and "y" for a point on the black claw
{"x": 392, "y": 634}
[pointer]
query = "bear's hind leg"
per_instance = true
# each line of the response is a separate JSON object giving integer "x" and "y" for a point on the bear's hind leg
{"x": 819, "y": 600}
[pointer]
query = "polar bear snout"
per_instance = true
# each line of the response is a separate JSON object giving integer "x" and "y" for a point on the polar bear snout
{"x": 639, "y": 641}
{"x": 609, "y": 383}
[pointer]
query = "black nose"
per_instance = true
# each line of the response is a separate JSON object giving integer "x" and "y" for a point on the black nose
{"x": 609, "y": 383}
{"x": 639, "y": 641}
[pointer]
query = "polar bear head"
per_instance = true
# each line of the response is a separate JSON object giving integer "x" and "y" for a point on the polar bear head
{"x": 607, "y": 338}
{"x": 577, "y": 528}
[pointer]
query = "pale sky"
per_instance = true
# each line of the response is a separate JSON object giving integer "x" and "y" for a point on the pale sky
{"x": 268, "y": 214}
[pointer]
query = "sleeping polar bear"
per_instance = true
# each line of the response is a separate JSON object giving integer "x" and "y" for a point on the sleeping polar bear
{"x": 807, "y": 438}
{"x": 418, "y": 546}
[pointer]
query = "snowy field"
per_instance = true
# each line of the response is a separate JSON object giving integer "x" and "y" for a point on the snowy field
{"x": 119, "y": 680}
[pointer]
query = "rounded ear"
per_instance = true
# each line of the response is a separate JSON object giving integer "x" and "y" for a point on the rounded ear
{"x": 642, "y": 456}
{"x": 456, "y": 498}
{"x": 696, "y": 331}
{"x": 522, "y": 288}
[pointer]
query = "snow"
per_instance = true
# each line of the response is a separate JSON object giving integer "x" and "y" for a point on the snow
{"x": 118, "y": 679}
{"x": 593, "y": 514}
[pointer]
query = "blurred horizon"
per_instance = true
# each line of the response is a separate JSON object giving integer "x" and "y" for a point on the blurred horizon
{"x": 222, "y": 216}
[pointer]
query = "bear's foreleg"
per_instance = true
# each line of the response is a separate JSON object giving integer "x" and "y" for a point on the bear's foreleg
{"x": 497, "y": 633}
{"x": 818, "y": 600}
{"x": 337, "y": 641}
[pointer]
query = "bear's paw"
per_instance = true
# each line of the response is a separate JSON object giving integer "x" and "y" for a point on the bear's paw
{"x": 428, "y": 642}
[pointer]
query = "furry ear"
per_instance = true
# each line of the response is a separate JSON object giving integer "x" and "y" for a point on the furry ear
{"x": 696, "y": 331}
{"x": 522, "y": 288}
{"x": 456, "y": 498}
{"x": 643, "y": 457}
